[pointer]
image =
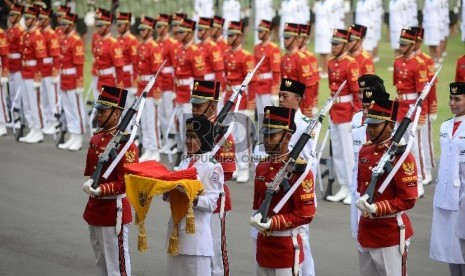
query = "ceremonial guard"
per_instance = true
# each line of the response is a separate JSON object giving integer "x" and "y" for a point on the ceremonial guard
{"x": 410, "y": 77}
{"x": 195, "y": 250}
{"x": 33, "y": 53}
{"x": 238, "y": 62}
{"x": 397, "y": 20}
{"x": 356, "y": 50}
{"x": 289, "y": 14}
{"x": 108, "y": 211}
{"x": 268, "y": 74}
{"x": 460, "y": 69}
{"x": 204, "y": 100}
{"x": 430, "y": 106}
{"x": 4, "y": 117}
{"x": 72, "y": 82}
{"x": 169, "y": 46}
{"x": 50, "y": 69}
{"x": 304, "y": 35}
{"x": 296, "y": 66}
{"x": 342, "y": 67}
{"x": 263, "y": 11}
{"x": 366, "y": 16}
{"x": 217, "y": 33}
{"x": 282, "y": 233}
{"x": 149, "y": 60}
{"x": 190, "y": 64}
{"x": 128, "y": 44}
{"x": 445, "y": 246}
{"x": 214, "y": 65}
{"x": 15, "y": 41}
{"x": 384, "y": 228}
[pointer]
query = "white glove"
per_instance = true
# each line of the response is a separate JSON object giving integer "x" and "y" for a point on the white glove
{"x": 54, "y": 80}
{"x": 275, "y": 100}
{"x": 255, "y": 221}
{"x": 79, "y": 90}
{"x": 157, "y": 101}
{"x": 36, "y": 85}
{"x": 132, "y": 91}
{"x": 433, "y": 117}
{"x": 364, "y": 206}
{"x": 87, "y": 185}
{"x": 3, "y": 80}
{"x": 95, "y": 192}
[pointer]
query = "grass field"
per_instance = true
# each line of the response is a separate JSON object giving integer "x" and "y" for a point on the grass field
{"x": 455, "y": 48}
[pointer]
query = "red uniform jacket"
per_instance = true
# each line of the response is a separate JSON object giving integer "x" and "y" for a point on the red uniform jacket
{"x": 213, "y": 60}
{"x": 15, "y": 36}
{"x": 149, "y": 60}
{"x": 365, "y": 62}
{"x": 72, "y": 56}
{"x": 4, "y": 61}
{"x": 190, "y": 65}
{"x": 274, "y": 251}
{"x": 108, "y": 54}
{"x": 223, "y": 44}
{"x": 128, "y": 44}
{"x": 166, "y": 77}
{"x": 95, "y": 38}
{"x": 459, "y": 71}
{"x": 237, "y": 63}
{"x": 410, "y": 76}
{"x": 339, "y": 70}
{"x": 51, "y": 62}
{"x": 400, "y": 195}
{"x": 306, "y": 106}
{"x": 268, "y": 75}
{"x": 99, "y": 211}
{"x": 34, "y": 51}
{"x": 431, "y": 106}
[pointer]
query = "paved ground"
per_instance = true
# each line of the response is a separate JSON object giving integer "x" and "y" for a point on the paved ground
{"x": 42, "y": 231}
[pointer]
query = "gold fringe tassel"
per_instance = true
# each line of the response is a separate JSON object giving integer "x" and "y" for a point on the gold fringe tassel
{"x": 142, "y": 238}
{"x": 174, "y": 242}
{"x": 190, "y": 220}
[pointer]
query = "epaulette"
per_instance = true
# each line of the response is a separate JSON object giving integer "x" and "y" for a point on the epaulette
{"x": 172, "y": 39}
{"x": 211, "y": 42}
{"x": 365, "y": 54}
{"x": 426, "y": 55}
{"x": 419, "y": 59}
{"x": 301, "y": 55}
{"x": 245, "y": 52}
{"x": 37, "y": 32}
{"x": 154, "y": 43}
{"x": 213, "y": 160}
{"x": 194, "y": 47}
{"x": 300, "y": 165}
{"x": 112, "y": 39}
{"x": 274, "y": 45}
{"x": 75, "y": 36}
{"x": 349, "y": 58}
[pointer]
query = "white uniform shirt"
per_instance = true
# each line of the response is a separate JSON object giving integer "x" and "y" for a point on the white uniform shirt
{"x": 210, "y": 173}
{"x": 462, "y": 20}
{"x": 365, "y": 13}
{"x": 263, "y": 11}
{"x": 359, "y": 138}
{"x": 460, "y": 226}
{"x": 231, "y": 12}
{"x": 301, "y": 122}
{"x": 398, "y": 10}
{"x": 203, "y": 8}
{"x": 325, "y": 23}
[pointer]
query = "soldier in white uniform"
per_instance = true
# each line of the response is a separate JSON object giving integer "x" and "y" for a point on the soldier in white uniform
{"x": 431, "y": 23}
{"x": 289, "y": 14}
{"x": 263, "y": 11}
{"x": 365, "y": 14}
{"x": 444, "y": 246}
{"x": 397, "y": 21}
{"x": 195, "y": 250}
{"x": 324, "y": 26}
{"x": 231, "y": 12}
{"x": 460, "y": 226}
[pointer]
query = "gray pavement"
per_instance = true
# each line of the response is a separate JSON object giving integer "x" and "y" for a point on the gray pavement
{"x": 42, "y": 231}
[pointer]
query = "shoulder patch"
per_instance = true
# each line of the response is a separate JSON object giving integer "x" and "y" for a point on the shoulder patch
{"x": 419, "y": 59}
{"x": 194, "y": 47}
{"x": 245, "y": 52}
{"x": 301, "y": 55}
{"x": 349, "y": 58}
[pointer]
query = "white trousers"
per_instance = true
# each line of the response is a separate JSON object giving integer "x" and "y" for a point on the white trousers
{"x": 262, "y": 100}
{"x": 32, "y": 105}
{"x": 95, "y": 87}
{"x": 216, "y": 260}
{"x": 15, "y": 80}
{"x": 75, "y": 112}
{"x": 165, "y": 111}
{"x": 242, "y": 140}
{"x": 343, "y": 154}
{"x": 266, "y": 271}
{"x": 150, "y": 124}
{"x": 426, "y": 147}
{"x": 384, "y": 261}
{"x": 462, "y": 247}
{"x": 49, "y": 93}
{"x": 129, "y": 101}
{"x": 111, "y": 251}
{"x": 182, "y": 265}
{"x": 183, "y": 112}
{"x": 308, "y": 266}
{"x": 3, "y": 105}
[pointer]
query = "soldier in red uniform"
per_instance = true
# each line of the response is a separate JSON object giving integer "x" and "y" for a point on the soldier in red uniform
{"x": 15, "y": 35}
{"x": 166, "y": 80}
{"x": 33, "y": 53}
{"x": 108, "y": 211}
{"x": 72, "y": 82}
{"x": 384, "y": 227}
{"x": 269, "y": 73}
{"x": 4, "y": 117}
{"x": 430, "y": 105}
{"x": 296, "y": 66}
{"x": 343, "y": 67}
{"x": 214, "y": 65}
{"x": 50, "y": 69}
{"x": 363, "y": 58}
{"x": 149, "y": 60}
{"x": 460, "y": 69}
{"x": 410, "y": 77}
{"x": 279, "y": 243}
{"x": 204, "y": 100}
{"x": 304, "y": 35}
{"x": 176, "y": 20}
{"x": 108, "y": 53}
{"x": 238, "y": 62}
{"x": 217, "y": 33}
{"x": 128, "y": 44}
{"x": 190, "y": 64}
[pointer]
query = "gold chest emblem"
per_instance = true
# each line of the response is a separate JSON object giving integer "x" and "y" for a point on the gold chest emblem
{"x": 409, "y": 168}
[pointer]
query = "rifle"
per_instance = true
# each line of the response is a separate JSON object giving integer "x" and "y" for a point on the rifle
{"x": 119, "y": 137}
{"x": 281, "y": 178}
{"x": 385, "y": 163}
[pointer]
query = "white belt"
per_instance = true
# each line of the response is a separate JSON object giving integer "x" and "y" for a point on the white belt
{"x": 401, "y": 225}
{"x": 119, "y": 210}
{"x": 107, "y": 71}
{"x": 68, "y": 71}
{"x": 344, "y": 99}
{"x": 265, "y": 76}
{"x": 127, "y": 68}
{"x": 14, "y": 55}
{"x": 293, "y": 233}
{"x": 209, "y": 77}
{"x": 169, "y": 69}
{"x": 31, "y": 62}
{"x": 408, "y": 96}
{"x": 185, "y": 82}
{"x": 145, "y": 77}
{"x": 48, "y": 60}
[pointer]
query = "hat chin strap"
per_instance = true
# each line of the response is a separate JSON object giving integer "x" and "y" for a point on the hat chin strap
{"x": 108, "y": 118}
{"x": 380, "y": 133}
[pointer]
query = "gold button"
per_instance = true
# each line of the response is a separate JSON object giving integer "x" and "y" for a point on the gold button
{"x": 370, "y": 167}
{"x": 375, "y": 153}
{"x": 271, "y": 168}
{"x": 366, "y": 183}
